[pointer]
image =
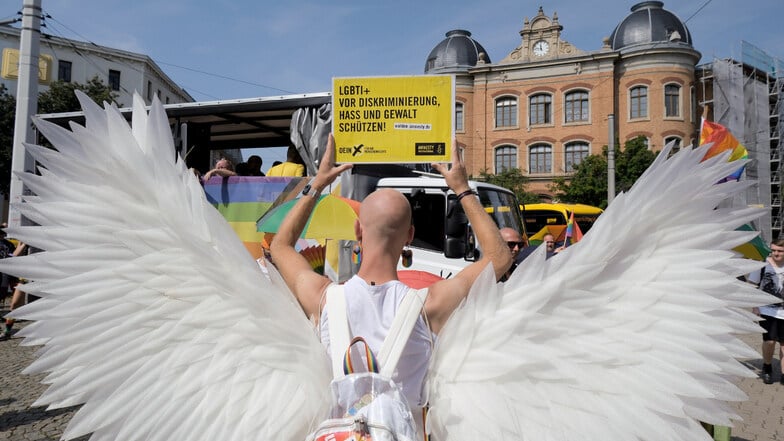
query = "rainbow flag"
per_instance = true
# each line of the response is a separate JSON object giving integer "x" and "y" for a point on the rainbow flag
{"x": 722, "y": 141}
{"x": 573, "y": 233}
{"x": 243, "y": 200}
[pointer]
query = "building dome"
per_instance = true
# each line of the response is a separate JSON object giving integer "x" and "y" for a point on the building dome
{"x": 458, "y": 52}
{"x": 650, "y": 23}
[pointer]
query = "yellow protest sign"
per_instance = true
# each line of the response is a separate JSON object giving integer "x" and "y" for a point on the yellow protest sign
{"x": 393, "y": 119}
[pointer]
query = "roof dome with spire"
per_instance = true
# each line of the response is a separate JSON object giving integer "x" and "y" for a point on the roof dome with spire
{"x": 650, "y": 23}
{"x": 458, "y": 52}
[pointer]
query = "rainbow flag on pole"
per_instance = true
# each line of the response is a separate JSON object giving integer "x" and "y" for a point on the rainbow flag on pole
{"x": 722, "y": 140}
{"x": 573, "y": 233}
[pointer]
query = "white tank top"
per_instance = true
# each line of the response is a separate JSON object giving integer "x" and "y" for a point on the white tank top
{"x": 370, "y": 311}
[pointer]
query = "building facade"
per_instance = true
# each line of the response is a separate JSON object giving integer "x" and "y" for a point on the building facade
{"x": 75, "y": 61}
{"x": 746, "y": 95}
{"x": 545, "y": 106}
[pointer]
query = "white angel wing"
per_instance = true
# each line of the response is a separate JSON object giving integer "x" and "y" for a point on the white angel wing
{"x": 628, "y": 334}
{"x": 152, "y": 313}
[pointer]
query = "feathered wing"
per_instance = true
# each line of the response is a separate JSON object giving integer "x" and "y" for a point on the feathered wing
{"x": 628, "y": 334}
{"x": 152, "y": 313}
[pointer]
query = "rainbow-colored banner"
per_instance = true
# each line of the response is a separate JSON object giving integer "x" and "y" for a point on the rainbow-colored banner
{"x": 722, "y": 140}
{"x": 243, "y": 200}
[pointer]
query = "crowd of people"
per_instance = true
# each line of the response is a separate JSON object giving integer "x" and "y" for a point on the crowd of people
{"x": 293, "y": 166}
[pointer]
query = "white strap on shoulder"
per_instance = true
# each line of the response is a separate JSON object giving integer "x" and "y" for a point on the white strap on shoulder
{"x": 339, "y": 334}
{"x": 402, "y": 325}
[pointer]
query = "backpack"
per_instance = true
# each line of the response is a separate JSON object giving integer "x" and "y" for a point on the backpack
{"x": 368, "y": 405}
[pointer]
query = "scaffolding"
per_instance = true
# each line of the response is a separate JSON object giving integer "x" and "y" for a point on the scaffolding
{"x": 746, "y": 97}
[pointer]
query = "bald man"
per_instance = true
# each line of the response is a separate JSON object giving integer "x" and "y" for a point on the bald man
{"x": 383, "y": 229}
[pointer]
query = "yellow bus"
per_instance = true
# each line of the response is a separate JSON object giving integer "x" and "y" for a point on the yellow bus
{"x": 538, "y": 216}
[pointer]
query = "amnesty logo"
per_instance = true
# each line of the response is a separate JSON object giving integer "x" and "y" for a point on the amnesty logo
{"x": 429, "y": 149}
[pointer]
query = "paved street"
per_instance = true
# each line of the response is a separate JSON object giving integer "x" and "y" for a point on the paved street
{"x": 763, "y": 413}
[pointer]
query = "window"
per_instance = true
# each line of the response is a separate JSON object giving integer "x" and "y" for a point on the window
{"x": 428, "y": 234}
{"x": 149, "y": 91}
{"x": 638, "y": 102}
{"x": 576, "y": 106}
{"x": 114, "y": 79}
{"x": 672, "y": 100}
{"x": 64, "y": 71}
{"x": 693, "y": 104}
{"x": 575, "y": 152}
{"x": 541, "y": 107}
{"x": 540, "y": 158}
{"x": 459, "y": 117}
{"x": 506, "y": 112}
{"x": 505, "y": 158}
{"x": 674, "y": 139}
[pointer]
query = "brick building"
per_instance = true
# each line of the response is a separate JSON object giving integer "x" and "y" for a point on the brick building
{"x": 544, "y": 107}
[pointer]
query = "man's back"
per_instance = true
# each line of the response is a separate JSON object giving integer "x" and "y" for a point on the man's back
{"x": 370, "y": 312}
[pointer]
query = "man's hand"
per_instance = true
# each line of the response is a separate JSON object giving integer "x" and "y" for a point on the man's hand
{"x": 328, "y": 171}
{"x": 456, "y": 177}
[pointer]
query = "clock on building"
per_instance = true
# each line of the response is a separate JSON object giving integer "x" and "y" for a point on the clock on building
{"x": 541, "y": 48}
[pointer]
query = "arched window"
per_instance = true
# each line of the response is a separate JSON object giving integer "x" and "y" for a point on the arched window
{"x": 505, "y": 158}
{"x": 540, "y": 109}
{"x": 540, "y": 158}
{"x": 638, "y": 102}
{"x": 506, "y": 112}
{"x": 576, "y": 106}
{"x": 574, "y": 153}
{"x": 672, "y": 101}
{"x": 674, "y": 139}
{"x": 459, "y": 127}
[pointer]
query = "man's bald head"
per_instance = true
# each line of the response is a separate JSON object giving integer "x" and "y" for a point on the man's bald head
{"x": 385, "y": 214}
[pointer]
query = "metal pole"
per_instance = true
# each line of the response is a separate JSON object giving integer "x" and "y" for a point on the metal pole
{"x": 26, "y": 102}
{"x": 611, "y": 160}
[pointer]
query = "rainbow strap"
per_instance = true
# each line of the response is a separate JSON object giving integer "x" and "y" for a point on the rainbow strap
{"x": 372, "y": 363}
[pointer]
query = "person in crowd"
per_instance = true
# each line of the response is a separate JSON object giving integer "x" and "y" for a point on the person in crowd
{"x": 7, "y": 249}
{"x": 516, "y": 243}
{"x": 18, "y": 297}
{"x": 242, "y": 169}
{"x": 383, "y": 230}
{"x": 769, "y": 279}
{"x": 294, "y": 165}
{"x": 223, "y": 168}
{"x": 254, "y": 165}
{"x": 549, "y": 242}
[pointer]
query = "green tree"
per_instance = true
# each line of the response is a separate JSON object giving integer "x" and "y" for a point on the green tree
{"x": 61, "y": 97}
{"x": 588, "y": 184}
{"x": 7, "y": 113}
{"x": 511, "y": 179}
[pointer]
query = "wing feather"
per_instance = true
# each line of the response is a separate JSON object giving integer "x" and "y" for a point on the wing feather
{"x": 152, "y": 314}
{"x": 629, "y": 334}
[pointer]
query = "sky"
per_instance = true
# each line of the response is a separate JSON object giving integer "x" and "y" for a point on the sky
{"x": 250, "y": 48}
